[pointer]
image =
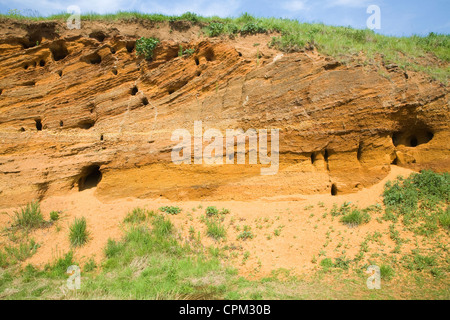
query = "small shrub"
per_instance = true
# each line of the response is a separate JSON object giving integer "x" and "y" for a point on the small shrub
{"x": 54, "y": 215}
{"x": 29, "y": 273}
{"x": 161, "y": 226}
{"x": 190, "y": 16}
{"x": 386, "y": 272}
{"x": 252, "y": 28}
{"x": 78, "y": 232}
{"x": 59, "y": 268}
{"x": 3, "y": 260}
{"x": 215, "y": 229}
{"x": 421, "y": 262}
{"x": 444, "y": 219}
{"x": 136, "y": 216}
{"x": 342, "y": 263}
{"x": 344, "y": 209}
{"x": 146, "y": 46}
{"x": 215, "y": 29}
{"x": 356, "y": 217}
{"x": 189, "y": 52}
{"x": 231, "y": 28}
{"x": 212, "y": 211}
{"x": 170, "y": 210}
{"x": 113, "y": 248}
{"x": 245, "y": 234}
{"x": 90, "y": 265}
{"x": 21, "y": 252}
{"x": 29, "y": 217}
{"x": 326, "y": 263}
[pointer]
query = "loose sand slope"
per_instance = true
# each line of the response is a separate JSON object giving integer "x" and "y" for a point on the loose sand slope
{"x": 302, "y": 229}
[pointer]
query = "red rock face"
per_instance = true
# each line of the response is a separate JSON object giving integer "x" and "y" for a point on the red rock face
{"x": 79, "y": 109}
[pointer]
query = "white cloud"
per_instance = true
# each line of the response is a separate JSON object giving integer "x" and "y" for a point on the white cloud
{"x": 201, "y": 7}
{"x": 295, "y": 5}
{"x": 51, "y": 7}
{"x": 348, "y": 3}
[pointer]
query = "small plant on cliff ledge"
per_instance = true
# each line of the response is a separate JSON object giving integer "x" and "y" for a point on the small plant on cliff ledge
{"x": 215, "y": 29}
{"x": 146, "y": 46}
{"x": 78, "y": 232}
{"x": 252, "y": 28}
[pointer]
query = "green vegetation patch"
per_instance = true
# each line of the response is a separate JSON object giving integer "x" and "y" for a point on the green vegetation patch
{"x": 421, "y": 201}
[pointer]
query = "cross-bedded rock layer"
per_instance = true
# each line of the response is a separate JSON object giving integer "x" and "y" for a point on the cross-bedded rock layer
{"x": 79, "y": 109}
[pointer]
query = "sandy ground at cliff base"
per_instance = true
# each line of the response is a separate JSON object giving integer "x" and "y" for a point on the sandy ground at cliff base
{"x": 299, "y": 219}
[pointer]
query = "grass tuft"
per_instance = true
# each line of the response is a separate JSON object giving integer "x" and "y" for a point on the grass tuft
{"x": 29, "y": 217}
{"x": 78, "y": 235}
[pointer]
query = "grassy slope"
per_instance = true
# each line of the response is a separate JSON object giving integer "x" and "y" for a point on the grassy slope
{"x": 153, "y": 262}
{"x": 430, "y": 54}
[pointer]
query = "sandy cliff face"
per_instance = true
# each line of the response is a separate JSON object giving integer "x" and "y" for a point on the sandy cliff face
{"x": 78, "y": 108}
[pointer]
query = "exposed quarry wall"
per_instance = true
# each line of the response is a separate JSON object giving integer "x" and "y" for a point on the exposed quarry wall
{"x": 79, "y": 109}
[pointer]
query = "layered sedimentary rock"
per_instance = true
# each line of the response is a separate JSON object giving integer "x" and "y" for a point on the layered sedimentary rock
{"x": 79, "y": 108}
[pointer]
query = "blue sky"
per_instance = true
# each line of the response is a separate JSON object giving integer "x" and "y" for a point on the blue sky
{"x": 398, "y": 17}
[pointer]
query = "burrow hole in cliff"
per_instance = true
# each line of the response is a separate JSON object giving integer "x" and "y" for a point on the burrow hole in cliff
{"x": 38, "y": 124}
{"x": 60, "y": 73}
{"x": 176, "y": 86}
{"x": 98, "y": 35}
{"x": 90, "y": 177}
{"x": 86, "y": 124}
{"x": 114, "y": 71}
{"x": 209, "y": 55}
{"x": 197, "y": 62}
{"x": 334, "y": 190}
{"x": 313, "y": 157}
{"x": 134, "y": 90}
{"x": 58, "y": 50}
{"x": 42, "y": 63}
{"x": 144, "y": 101}
{"x": 359, "y": 152}
{"x": 130, "y": 46}
{"x": 61, "y": 123}
{"x": 94, "y": 58}
{"x": 412, "y": 138}
{"x": 32, "y": 40}
{"x": 395, "y": 161}
{"x": 1, "y": 91}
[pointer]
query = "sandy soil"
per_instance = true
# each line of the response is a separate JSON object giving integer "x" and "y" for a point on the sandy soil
{"x": 299, "y": 218}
